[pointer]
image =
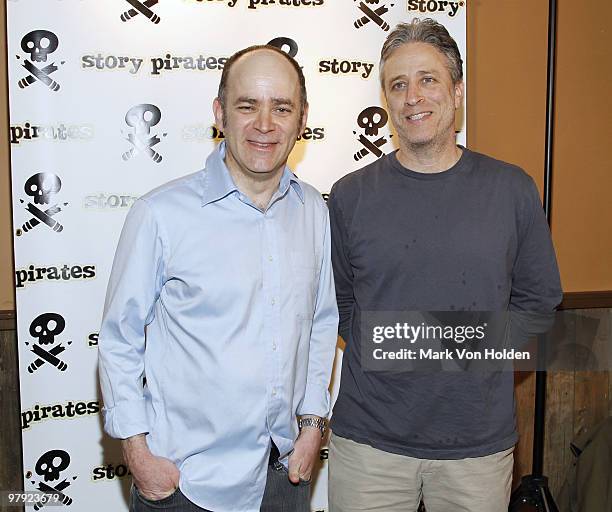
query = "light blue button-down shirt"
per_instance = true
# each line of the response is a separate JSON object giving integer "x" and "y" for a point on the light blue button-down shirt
{"x": 241, "y": 325}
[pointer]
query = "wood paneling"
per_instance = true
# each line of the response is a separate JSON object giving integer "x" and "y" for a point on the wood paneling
{"x": 582, "y": 169}
{"x": 10, "y": 432}
{"x": 524, "y": 388}
{"x": 586, "y": 300}
{"x": 7, "y": 299}
{"x": 576, "y": 401}
{"x": 560, "y": 396}
{"x": 506, "y": 81}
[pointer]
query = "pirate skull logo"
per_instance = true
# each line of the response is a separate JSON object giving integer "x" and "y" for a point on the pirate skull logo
{"x": 39, "y": 44}
{"x": 141, "y": 118}
{"x": 372, "y": 119}
{"x": 41, "y": 186}
{"x": 51, "y": 464}
{"x": 46, "y": 327}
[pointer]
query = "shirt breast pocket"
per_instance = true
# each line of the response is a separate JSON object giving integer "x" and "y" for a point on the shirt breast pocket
{"x": 303, "y": 282}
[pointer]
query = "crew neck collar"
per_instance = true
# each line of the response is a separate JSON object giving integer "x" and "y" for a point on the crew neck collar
{"x": 451, "y": 171}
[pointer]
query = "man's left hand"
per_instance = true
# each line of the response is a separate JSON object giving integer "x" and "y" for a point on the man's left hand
{"x": 305, "y": 453}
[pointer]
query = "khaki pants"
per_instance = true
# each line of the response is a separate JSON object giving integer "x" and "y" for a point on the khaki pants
{"x": 362, "y": 478}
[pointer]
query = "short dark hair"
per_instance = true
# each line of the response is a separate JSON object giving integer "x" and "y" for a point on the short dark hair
{"x": 221, "y": 94}
{"x": 423, "y": 31}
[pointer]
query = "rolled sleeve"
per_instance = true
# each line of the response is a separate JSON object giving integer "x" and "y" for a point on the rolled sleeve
{"x": 134, "y": 286}
{"x": 323, "y": 337}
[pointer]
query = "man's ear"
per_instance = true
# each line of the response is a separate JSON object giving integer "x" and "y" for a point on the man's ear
{"x": 459, "y": 93}
{"x": 304, "y": 120}
{"x": 218, "y": 113}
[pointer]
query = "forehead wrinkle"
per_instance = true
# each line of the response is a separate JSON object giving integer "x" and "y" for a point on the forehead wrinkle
{"x": 419, "y": 72}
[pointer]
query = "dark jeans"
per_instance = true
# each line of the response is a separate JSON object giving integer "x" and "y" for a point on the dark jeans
{"x": 280, "y": 496}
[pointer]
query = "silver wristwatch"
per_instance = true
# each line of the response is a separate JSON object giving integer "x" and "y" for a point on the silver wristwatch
{"x": 316, "y": 422}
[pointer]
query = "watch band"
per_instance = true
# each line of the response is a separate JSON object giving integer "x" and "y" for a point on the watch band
{"x": 315, "y": 422}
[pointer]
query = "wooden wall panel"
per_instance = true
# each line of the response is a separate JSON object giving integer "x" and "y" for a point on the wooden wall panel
{"x": 577, "y": 401}
{"x": 560, "y": 395}
{"x": 582, "y": 179}
{"x": 7, "y": 299}
{"x": 10, "y": 428}
{"x": 506, "y": 81}
{"x": 524, "y": 388}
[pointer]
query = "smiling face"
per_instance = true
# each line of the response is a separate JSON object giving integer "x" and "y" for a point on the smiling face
{"x": 261, "y": 118}
{"x": 421, "y": 97}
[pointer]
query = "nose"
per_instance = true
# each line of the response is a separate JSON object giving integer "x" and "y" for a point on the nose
{"x": 414, "y": 94}
{"x": 263, "y": 121}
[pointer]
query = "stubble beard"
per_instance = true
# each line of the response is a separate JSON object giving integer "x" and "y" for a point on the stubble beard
{"x": 437, "y": 144}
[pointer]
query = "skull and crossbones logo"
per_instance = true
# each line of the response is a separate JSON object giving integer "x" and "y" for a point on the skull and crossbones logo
{"x": 45, "y": 328}
{"x": 50, "y": 465}
{"x": 371, "y": 14}
{"x": 371, "y": 119}
{"x": 42, "y": 187}
{"x": 143, "y": 8}
{"x": 141, "y": 118}
{"x": 39, "y": 44}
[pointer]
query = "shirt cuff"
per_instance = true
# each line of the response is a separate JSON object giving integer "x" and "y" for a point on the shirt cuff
{"x": 316, "y": 403}
{"x": 126, "y": 419}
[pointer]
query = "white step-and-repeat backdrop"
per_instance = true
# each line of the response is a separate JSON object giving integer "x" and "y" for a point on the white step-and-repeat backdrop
{"x": 108, "y": 99}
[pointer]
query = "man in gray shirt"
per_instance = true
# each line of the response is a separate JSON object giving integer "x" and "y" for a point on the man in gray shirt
{"x": 431, "y": 227}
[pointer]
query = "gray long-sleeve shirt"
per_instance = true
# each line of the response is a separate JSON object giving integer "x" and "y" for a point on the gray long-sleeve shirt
{"x": 472, "y": 238}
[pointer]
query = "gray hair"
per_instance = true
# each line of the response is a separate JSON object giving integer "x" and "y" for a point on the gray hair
{"x": 423, "y": 31}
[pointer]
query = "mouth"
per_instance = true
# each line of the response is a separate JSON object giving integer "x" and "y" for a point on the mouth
{"x": 262, "y": 146}
{"x": 419, "y": 116}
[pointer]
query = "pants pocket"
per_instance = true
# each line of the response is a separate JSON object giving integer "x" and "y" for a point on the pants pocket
{"x": 281, "y": 468}
{"x": 156, "y": 504}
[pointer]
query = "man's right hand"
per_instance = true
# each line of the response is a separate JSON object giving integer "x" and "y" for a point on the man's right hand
{"x": 155, "y": 477}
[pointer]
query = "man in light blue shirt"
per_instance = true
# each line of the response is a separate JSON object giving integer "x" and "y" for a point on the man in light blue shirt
{"x": 222, "y": 296}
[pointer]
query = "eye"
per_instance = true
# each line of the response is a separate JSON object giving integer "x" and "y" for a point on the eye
{"x": 246, "y": 108}
{"x": 398, "y": 86}
{"x": 428, "y": 79}
{"x": 283, "y": 110}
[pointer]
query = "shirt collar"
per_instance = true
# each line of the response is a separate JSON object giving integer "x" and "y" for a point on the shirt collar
{"x": 218, "y": 182}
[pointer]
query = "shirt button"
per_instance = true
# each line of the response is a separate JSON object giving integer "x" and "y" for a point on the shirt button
{"x": 273, "y": 346}
{"x": 273, "y": 302}
{"x": 273, "y": 392}
{"x": 270, "y": 258}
